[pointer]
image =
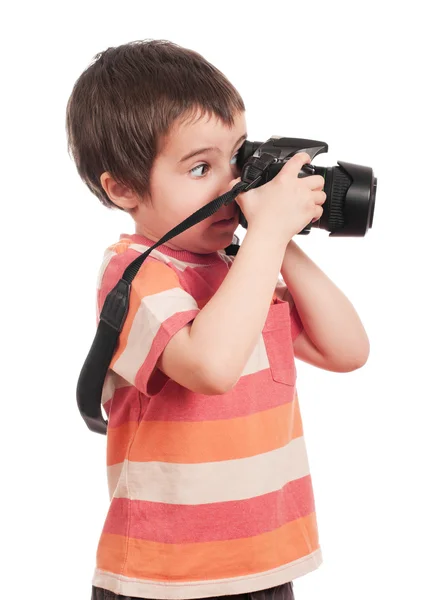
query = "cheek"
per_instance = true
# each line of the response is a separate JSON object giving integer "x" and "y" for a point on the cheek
{"x": 186, "y": 196}
{"x": 196, "y": 197}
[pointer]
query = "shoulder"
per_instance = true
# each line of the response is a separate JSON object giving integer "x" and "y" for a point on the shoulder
{"x": 155, "y": 271}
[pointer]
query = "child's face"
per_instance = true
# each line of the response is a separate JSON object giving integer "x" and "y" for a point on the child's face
{"x": 180, "y": 187}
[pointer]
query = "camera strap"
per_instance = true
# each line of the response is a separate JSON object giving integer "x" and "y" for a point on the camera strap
{"x": 116, "y": 305}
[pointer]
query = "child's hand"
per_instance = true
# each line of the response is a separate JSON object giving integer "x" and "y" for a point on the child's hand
{"x": 287, "y": 203}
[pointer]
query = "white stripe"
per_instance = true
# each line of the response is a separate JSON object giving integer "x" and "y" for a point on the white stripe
{"x": 106, "y": 260}
{"x": 152, "y": 312}
{"x": 114, "y": 472}
{"x": 112, "y": 382}
{"x": 220, "y": 481}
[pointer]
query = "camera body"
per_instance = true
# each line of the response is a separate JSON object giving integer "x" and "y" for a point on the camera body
{"x": 350, "y": 189}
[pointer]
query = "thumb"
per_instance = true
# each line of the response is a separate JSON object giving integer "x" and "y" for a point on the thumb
{"x": 297, "y": 161}
{"x": 233, "y": 182}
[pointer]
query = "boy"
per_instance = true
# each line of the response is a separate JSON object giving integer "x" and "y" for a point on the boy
{"x": 209, "y": 483}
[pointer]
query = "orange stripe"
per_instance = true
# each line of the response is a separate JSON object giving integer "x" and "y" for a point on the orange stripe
{"x": 153, "y": 277}
{"x": 156, "y": 440}
{"x": 211, "y": 560}
{"x": 120, "y": 247}
{"x": 119, "y": 439}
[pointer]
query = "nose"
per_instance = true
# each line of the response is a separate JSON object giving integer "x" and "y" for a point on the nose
{"x": 227, "y": 211}
{"x": 231, "y": 185}
{"x": 228, "y": 179}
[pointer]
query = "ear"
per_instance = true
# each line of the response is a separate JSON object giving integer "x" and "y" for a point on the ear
{"x": 119, "y": 194}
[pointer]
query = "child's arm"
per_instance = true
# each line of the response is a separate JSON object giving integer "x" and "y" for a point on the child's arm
{"x": 334, "y": 337}
{"x": 224, "y": 333}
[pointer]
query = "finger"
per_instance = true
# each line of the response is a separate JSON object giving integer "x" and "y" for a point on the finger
{"x": 321, "y": 212}
{"x": 233, "y": 183}
{"x": 319, "y": 197}
{"x": 315, "y": 182}
{"x": 297, "y": 161}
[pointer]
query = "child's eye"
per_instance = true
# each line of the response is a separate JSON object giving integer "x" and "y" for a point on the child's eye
{"x": 198, "y": 167}
{"x": 205, "y": 165}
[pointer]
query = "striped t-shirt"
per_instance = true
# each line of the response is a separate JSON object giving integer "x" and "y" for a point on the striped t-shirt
{"x": 210, "y": 495}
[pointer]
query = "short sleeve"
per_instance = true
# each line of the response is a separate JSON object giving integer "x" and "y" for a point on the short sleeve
{"x": 283, "y": 293}
{"x": 158, "y": 308}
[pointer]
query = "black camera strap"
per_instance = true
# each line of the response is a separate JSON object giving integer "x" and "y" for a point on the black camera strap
{"x": 115, "y": 307}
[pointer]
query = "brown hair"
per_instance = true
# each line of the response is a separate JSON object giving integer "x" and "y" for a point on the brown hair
{"x": 123, "y": 105}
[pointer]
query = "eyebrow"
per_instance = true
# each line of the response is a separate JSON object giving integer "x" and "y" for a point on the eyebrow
{"x": 210, "y": 149}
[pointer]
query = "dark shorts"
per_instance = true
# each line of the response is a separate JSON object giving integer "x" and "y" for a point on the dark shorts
{"x": 280, "y": 592}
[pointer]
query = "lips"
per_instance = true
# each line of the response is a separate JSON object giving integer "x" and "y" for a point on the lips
{"x": 228, "y": 219}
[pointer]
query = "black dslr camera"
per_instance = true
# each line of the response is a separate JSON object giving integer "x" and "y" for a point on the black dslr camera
{"x": 351, "y": 189}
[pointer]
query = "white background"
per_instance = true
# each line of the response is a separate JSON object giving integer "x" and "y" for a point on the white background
{"x": 366, "y": 78}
